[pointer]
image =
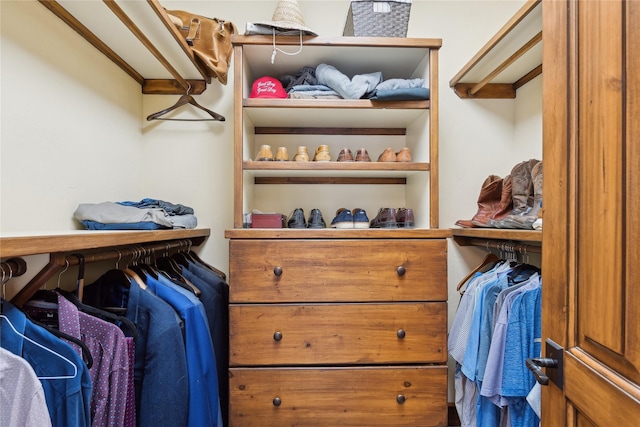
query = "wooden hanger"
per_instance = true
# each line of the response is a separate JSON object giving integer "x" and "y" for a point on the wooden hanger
{"x": 184, "y": 100}
{"x": 490, "y": 259}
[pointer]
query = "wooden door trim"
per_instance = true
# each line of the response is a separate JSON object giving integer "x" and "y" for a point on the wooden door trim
{"x": 588, "y": 374}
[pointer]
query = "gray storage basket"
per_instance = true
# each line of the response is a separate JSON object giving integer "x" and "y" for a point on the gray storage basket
{"x": 364, "y": 21}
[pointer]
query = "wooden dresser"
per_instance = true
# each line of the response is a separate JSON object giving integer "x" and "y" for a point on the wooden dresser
{"x": 327, "y": 331}
{"x": 337, "y": 327}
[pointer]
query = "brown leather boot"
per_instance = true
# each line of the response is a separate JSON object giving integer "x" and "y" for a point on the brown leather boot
{"x": 527, "y": 219}
{"x": 505, "y": 206}
{"x": 488, "y": 203}
{"x": 522, "y": 184}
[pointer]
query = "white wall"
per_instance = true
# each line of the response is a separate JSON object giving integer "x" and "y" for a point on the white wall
{"x": 73, "y": 128}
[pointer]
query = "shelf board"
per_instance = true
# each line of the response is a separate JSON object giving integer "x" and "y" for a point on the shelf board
{"x": 359, "y": 113}
{"x": 332, "y": 233}
{"x": 348, "y": 167}
{"x": 70, "y": 241}
{"x": 509, "y": 60}
{"x": 461, "y": 234}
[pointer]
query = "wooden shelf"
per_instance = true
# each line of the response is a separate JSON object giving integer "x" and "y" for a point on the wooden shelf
{"x": 138, "y": 37}
{"x": 412, "y": 124}
{"x": 512, "y": 58}
{"x": 466, "y": 236}
{"x": 14, "y": 246}
{"x": 360, "y": 113}
{"x": 332, "y": 233}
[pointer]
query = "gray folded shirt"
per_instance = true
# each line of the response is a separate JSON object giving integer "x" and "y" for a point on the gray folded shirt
{"x": 114, "y": 213}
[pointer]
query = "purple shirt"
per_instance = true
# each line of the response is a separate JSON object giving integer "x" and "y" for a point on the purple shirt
{"x": 110, "y": 370}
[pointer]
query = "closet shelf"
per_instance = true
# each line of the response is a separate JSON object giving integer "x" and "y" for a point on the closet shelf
{"x": 359, "y": 113}
{"x": 139, "y": 38}
{"x": 332, "y": 233}
{"x": 463, "y": 236}
{"x": 16, "y": 246}
{"x": 508, "y": 61}
{"x": 332, "y": 172}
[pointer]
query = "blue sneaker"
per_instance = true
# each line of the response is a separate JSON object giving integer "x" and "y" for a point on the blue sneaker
{"x": 360, "y": 219}
{"x": 343, "y": 219}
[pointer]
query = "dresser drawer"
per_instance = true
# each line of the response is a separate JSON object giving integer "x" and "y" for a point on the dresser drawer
{"x": 322, "y": 334}
{"x": 338, "y": 270}
{"x": 385, "y": 396}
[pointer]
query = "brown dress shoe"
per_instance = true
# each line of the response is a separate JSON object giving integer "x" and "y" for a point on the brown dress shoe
{"x": 388, "y": 155}
{"x": 404, "y": 155}
{"x": 362, "y": 155}
{"x": 301, "y": 155}
{"x": 386, "y": 218}
{"x": 345, "y": 155}
{"x": 405, "y": 218}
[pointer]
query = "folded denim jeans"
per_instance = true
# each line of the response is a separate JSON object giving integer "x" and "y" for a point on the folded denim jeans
{"x": 355, "y": 88}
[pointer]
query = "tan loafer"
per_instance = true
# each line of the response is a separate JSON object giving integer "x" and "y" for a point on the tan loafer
{"x": 388, "y": 155}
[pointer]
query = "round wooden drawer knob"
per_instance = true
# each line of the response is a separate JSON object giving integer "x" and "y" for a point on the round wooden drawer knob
{"x": 277, "y": 401}
{"x": 400, "y": 399}
{"x": 401, "y": 333}
{"x": 277, "y": 271}
{"x": 401, "y": 270}
{"x": 277, "y": 336}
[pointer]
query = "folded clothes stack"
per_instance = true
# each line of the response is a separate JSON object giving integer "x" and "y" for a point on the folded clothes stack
{"x": 327, "y": 82}
{"x": 147, "y": 214}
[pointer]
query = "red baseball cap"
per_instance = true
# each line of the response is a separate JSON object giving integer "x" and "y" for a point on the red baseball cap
{"x": 267, "y": 87}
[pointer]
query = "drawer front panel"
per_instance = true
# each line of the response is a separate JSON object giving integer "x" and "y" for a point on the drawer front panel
{"x": 338, "y": 270}
{"x": 394, "y": 396}
{"x": 317, "y": 334}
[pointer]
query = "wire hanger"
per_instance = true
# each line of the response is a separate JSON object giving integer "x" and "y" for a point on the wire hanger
{"x": 37, "y": 344}
{"x": 184, "y": 100}
{"x": 61, "y": 377}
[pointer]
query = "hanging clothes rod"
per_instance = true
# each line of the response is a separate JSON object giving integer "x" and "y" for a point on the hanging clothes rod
{"x": 58, "y": 261}
{"x": 503, "y": 245}
{"x": 13, "y": 267}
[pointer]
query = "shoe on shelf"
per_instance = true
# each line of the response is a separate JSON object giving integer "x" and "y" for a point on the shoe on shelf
{"x": 343, "y": 219}
{"x": 362, "y": 155}
{"x": 388, "y": 155}
{"x": 316, "y": 220}
{"x": 265, "y": 153}
{"x": 405, "y": 218}
{"x": 488, "y": 203}
{"x": 282, "y": 155}
{"x": 386, "y": 218}
{"x": 404, "y": 155}
{"x": 301, "y": 155}
{"x": 322, "y": 154}
{"x": 345, "y": 155}
{"x": 360, "y": 218}
{"x": 296, "y": 219}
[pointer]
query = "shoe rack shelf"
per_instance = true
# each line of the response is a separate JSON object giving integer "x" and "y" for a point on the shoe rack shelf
{"x": 508, "y": 61}
{"x": 339, "y": 123}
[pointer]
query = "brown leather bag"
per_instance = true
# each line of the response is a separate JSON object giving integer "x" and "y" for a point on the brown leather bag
{"x": 210, "y": 40}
